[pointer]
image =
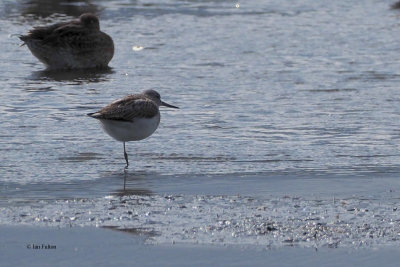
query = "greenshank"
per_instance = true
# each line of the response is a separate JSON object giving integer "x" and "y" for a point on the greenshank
{"x": 132, "y": 118}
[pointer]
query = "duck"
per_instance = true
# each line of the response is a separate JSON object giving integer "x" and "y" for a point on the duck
{"x": 77, "y": 44}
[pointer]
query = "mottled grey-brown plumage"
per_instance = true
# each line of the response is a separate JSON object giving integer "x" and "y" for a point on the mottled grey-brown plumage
{"x": 128, "y": 108}
{"x": 70, "y": 45}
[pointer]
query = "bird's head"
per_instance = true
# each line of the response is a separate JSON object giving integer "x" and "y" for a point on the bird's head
{"x": 90, "y": 20}
{"x": 155, "y": 96}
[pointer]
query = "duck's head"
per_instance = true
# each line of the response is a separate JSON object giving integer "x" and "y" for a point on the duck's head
{"x": 90, "y": 20}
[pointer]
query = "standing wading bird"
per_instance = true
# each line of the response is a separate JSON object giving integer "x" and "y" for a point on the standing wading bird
{"x": 71, "y": 45}
{"x": 132, "y": 118}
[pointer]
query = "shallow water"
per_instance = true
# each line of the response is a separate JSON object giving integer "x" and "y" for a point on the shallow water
{"x": 267, "y": 91}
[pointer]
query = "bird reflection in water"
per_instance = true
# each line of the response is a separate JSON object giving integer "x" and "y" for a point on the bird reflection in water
{"x": 132, "y": 190}
{"x": 78, "y": 76}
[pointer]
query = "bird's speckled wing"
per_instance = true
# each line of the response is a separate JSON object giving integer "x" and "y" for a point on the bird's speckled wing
{"x": 73, "y": 36}
{"x": 42, "y": 32}
{"x": 128, "y": 108}
{"x": 69, "y": 35}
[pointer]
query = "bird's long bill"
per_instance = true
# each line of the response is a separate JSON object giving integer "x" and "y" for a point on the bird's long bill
{"x": 167, "y": 105}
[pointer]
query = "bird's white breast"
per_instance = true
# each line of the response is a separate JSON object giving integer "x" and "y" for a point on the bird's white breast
{"x": 125, "y": 131}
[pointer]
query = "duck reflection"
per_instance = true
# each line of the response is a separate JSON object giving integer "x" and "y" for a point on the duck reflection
{"x": 79, "y": 76}
{"x": 139, "y": 231}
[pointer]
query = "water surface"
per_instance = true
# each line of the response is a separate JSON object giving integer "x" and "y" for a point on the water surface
{"x": 267, "y": 91}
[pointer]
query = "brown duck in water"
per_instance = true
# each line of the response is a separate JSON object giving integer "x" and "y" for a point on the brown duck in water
{"x": 71, "y": 45}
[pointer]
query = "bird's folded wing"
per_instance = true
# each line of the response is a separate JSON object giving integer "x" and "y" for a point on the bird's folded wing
{"x": 127, "y": 110}
{"x": 73, "y": 36}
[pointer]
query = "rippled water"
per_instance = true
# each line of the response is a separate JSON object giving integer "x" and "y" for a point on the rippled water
{"x": 267, "y": 89}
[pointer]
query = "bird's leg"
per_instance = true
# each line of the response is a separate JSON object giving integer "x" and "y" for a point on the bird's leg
{"x": 125, "y": 174}
{"x": 126, "y": 157}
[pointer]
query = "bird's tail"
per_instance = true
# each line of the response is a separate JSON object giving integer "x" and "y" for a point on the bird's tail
{"x": 23, "y": 38}
{"x": 94, "y": 115}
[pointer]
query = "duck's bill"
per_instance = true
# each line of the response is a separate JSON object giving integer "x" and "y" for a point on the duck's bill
{"x": 167, "y": 105}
